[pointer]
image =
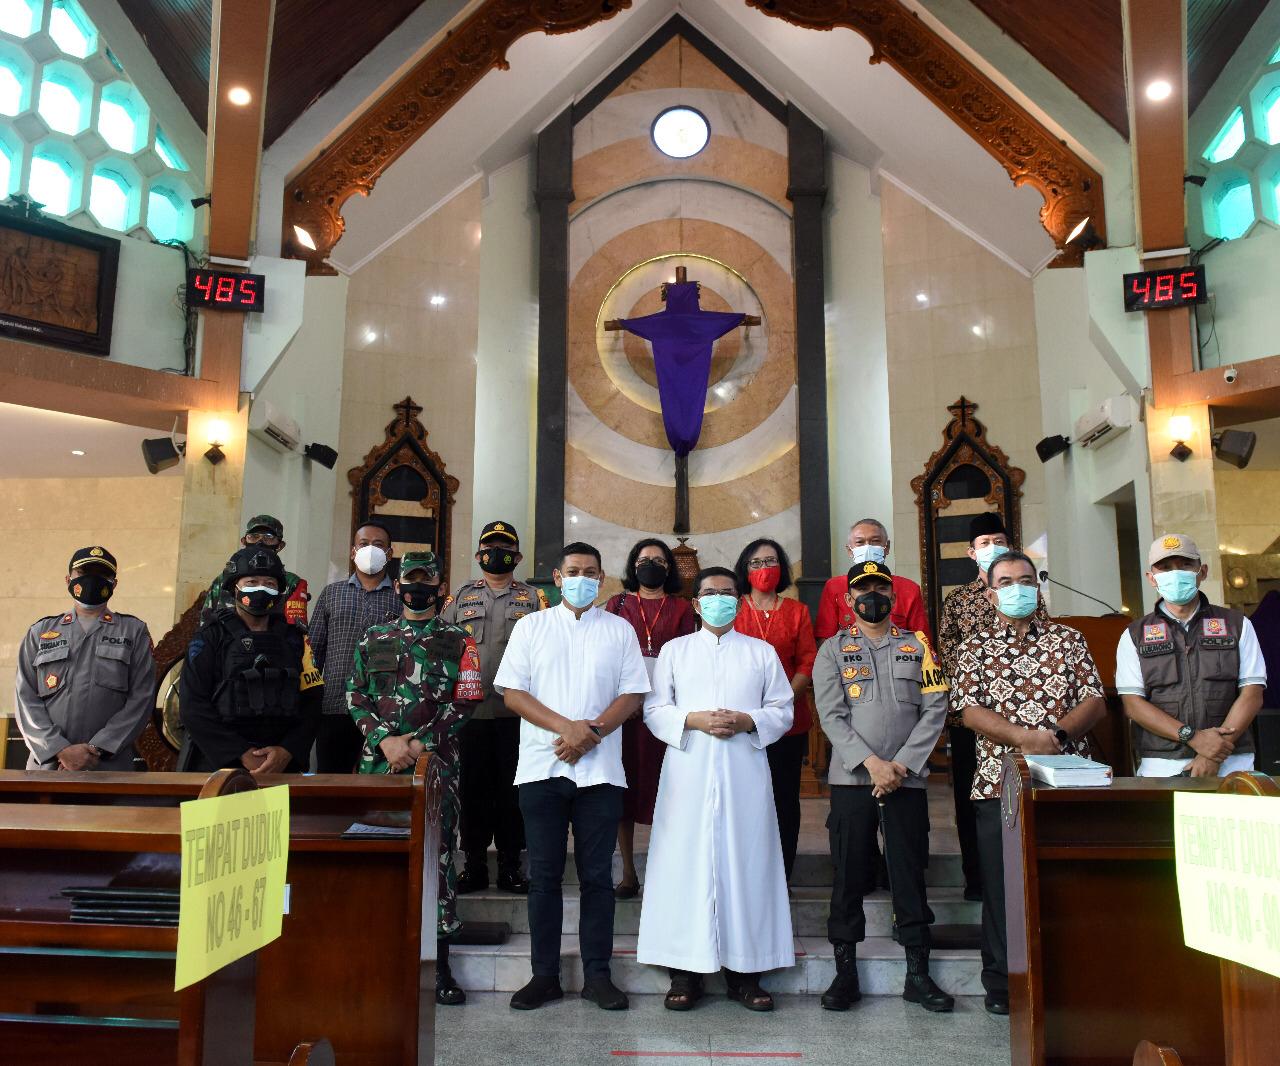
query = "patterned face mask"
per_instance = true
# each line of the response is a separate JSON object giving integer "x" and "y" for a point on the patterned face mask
{"x": 418, "y": 596}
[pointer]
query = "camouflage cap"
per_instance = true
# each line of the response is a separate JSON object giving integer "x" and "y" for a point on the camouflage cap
{"x": 419, "y": 560}
{"x": 264, "y": 523}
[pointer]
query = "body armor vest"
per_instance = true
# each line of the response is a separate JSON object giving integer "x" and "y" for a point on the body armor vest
{"x": 260, "y": 672}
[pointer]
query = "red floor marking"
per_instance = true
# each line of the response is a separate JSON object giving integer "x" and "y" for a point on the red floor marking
{"x": 708, "y": 1054}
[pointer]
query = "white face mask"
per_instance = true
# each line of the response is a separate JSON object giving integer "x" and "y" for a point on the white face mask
{"x": 868, "y": 553}
{"x": 371, "y": 559}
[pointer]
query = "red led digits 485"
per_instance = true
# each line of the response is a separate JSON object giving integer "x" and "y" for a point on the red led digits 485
{"x": 225, "y": 291}
{"x": 1153, "y": 289}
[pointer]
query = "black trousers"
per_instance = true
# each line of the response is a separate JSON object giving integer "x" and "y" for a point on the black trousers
{"x": 786, "y": 760}
{"x": 338, "y": 744}
{"x": 489, "y": 749}
{"x": 852, "y": 825}
{"x": 995, "y": 956}
{"x": 550, "y": 807}
{"x": 964, "y": 761}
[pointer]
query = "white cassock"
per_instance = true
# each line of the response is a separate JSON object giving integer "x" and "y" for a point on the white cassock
{"x": 715, "y": 893}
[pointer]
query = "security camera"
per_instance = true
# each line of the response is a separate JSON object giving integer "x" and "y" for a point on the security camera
{"x": 1230, "y": 374}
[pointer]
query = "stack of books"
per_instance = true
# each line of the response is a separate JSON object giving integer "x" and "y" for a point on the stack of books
{"x": 1068, "y": 771}
{"x": 124, "y": 906}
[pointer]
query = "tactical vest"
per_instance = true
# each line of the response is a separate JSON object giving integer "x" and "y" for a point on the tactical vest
{"x": 260, "y": 672}
{"x": 1192, "y": 675}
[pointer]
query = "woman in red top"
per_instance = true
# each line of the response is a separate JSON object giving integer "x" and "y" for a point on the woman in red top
{"x": 653, "y": 606}
{"x": 764, "y": 570}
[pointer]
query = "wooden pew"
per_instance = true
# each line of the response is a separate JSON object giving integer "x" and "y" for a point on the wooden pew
{"x": 348, "y": 965}
{"x": 1096, "y": 957}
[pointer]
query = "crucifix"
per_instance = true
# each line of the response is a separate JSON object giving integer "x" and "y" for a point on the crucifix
{"x": 682, "y": 335}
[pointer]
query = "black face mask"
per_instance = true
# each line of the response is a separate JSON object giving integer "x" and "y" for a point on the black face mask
{"x": 92, "y": 590}
{"x": 872, "y": 607}
{"x": 256, "y": 603}
{"x": 651, "y": 573}
{"x": 418, "y": 596}
{"x": 497, "y": 561}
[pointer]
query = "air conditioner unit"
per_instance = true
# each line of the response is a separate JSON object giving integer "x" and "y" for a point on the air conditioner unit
{"x": 1104, "y": 421}
{"x": 272, "y": 425}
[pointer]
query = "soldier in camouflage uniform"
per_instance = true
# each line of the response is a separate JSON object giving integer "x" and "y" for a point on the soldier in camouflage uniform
{"x": 262, "y": 530}
{"x": 413, "y": 685}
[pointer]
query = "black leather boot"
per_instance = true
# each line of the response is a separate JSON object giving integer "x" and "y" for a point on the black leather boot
{"x": 511, "y": 877}
{"x": 844, "y": 990}
{"x": 448, "y": 991}
{"x": 919, "y": 987}
{"x": 475, "y": 875}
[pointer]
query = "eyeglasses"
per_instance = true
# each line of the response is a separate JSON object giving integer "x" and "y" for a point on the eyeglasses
{"x": 261, "y": 538}
{"x": 762, "y": 564}
{"x": 719, "y": 592}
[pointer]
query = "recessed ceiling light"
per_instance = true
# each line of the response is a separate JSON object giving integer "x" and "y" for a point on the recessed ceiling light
{"x": 76, "y": 451}
{"x": 370, "y": 335}
{"x": 977, "y": 331}
{"x": 239, "y": 95}
{"x": 574, "y": 519}
{"x": 1159, "y": 90}
{"x": 437, "y": 300}
{"x": 922, "y": 297}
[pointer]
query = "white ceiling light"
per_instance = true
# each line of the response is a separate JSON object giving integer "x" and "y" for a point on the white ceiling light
{"x": 437, "y": 300}
{"x": 681, "y": 132}
{"x": 922, "y": 297}
{"x": 76, "y": 451}
{"x": 239, "y": 95}
{"x": 1159, "y": 90}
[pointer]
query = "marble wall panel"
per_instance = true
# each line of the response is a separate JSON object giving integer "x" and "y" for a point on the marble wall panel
{"x": 676, "y": 63}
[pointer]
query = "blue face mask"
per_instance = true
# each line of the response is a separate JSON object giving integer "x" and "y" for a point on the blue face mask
{"x": 718, "y": 610}
{"x": 579, "y": 591}
{"x": 868, "y": 553}
{"x": 1018, "y": 601}
{"x": 1177, "y": 586}
{"x": 988, "y": 554}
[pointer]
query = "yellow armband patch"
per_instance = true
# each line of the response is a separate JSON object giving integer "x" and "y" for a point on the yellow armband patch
{"x": 932, "y": 679}
{"x": 311, "y": 676}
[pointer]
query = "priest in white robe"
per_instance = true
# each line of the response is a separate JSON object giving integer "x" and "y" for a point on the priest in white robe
{"x": 716, "y": 895}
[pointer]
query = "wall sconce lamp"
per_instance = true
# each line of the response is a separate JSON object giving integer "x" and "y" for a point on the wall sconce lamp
{"x": 218, "y": 433}
{"x": 1084, "y": 236}
{"x": 1180, "y": 431}
{"x": 1237, "y": 577}
{"x": 304, "y": 238}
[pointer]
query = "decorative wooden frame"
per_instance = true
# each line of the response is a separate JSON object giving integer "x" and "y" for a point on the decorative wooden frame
{"x": 405, "y": 445}
{"x": 964, "y": 443}
{"x": 1029, "y": 153}
{"x": 156, "y": 744}
{"x": 354, "y": 162}
{"x": 22, "y": 232}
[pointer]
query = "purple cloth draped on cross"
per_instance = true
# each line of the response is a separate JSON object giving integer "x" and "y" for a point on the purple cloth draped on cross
{"x": 682, "y": 335}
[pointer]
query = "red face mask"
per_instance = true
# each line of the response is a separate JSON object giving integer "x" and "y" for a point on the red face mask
{"x": 765, "y": 579}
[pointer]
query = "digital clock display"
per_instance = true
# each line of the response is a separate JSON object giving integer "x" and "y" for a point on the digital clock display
{"x": 220, "y": 290}
{"x": 1151, "y": 290}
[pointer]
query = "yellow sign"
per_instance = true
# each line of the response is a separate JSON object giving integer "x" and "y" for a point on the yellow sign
{"x": 235, "y": 851}
{"x": 1228, "y": 863}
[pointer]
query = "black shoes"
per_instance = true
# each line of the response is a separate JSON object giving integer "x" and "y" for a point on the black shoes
{"x": 996, "y": 1002}
{"x": 844, "y": 991}
{"x": 919, "y": 986}
{"x": 538, "y": 991}
{"x": 604, "y": 994}
{"x": 474, "y": 876}
{"x": 448, "y": 992}
{"x": 973, "y": 893}
{"x": 511, "y": 878}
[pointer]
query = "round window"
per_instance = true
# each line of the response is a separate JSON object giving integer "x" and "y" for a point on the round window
{"x": 681, "y": 132}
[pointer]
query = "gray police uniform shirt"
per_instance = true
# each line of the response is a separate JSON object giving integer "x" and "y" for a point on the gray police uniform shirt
{"x": 489, "y": 617}
{"x": 76, "y": 687}
{"x": 886, "y": 698}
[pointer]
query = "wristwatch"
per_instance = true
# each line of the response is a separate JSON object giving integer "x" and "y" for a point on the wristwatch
{"x": 596, "y": 730}
{"x": 1185, "y": 734}
{"x": 1062, "y": 736}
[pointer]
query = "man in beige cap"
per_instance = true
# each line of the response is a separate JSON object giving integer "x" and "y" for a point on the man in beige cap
{"x": 1190, "y": 673}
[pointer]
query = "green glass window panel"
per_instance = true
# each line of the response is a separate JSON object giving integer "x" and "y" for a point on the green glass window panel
{"x": 166, "y": 218}
{"x": 10, "y": 90}
{"x": 50, "y": 184}
{"x": 60, "y": 107}
{"x": 166, "y": 152}
{"x": 71, "y": 30}
{"x": 1235, "y": 210}
{"x": 17, "y": 18}
{"x": 1271, "y": 116}
{"x": 1228, "y": 140}
{"x": 109, "y": 200}
{"x": 1275, "y": 58}
{"x": 117, "y": 125}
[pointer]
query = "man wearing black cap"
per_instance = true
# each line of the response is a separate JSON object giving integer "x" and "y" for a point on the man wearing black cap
{"x": 266, "y": 531}
{"x": 86, "y": 679}
{"x": 488, "y": 609}
{"x": 882, "y": 701}
{"x": 250, "y": 692}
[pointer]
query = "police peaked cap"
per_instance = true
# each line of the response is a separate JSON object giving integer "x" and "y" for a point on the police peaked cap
{"x": 500, "y": 535}
{"x": 254, "y": 561}
{"x": 860, "y": 572}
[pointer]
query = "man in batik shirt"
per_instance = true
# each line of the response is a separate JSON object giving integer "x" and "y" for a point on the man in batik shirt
{"x": 413, "y": 685}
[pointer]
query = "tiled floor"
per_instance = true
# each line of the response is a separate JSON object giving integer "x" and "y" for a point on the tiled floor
{"x": 881, "y": 1031}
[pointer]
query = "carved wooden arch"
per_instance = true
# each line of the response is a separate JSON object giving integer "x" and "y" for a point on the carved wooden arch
{"x": 405, "y": 446}
{"x": 1030, "y": 154}
{"x": 964, "y": 448}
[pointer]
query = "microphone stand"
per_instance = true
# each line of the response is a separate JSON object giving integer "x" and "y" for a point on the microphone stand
{"x": 1044, "y": 576}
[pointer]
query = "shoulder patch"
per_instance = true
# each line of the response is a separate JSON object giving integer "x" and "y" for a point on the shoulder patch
{"x": 1215, "y": 627}
{"x": 1156, "y": 632}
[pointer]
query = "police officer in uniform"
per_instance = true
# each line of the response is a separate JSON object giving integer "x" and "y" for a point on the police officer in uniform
{"x": 488, "y": 608}
{"x": 882, "y": 702}
{"x": 266, "y": 531}
{"x": 1190, "y": 674}
{"x": 250, "y": 691}
{"x": 86, "y": 679}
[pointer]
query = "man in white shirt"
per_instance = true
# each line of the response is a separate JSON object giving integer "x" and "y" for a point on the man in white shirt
{"x": 1190, "y": 673}
{"x": 715, "y": 894}
{"x": 573, "y": 674}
